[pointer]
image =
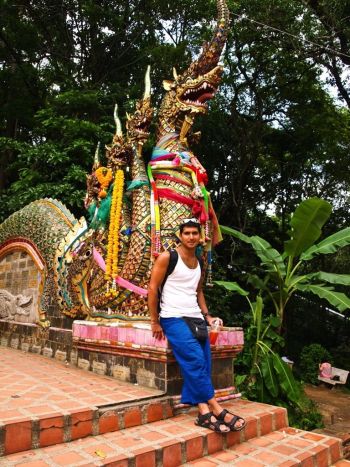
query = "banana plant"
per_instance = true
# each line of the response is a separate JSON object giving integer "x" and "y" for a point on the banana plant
{"x": 284, "y": 272}
{"x": 268, "y": 378}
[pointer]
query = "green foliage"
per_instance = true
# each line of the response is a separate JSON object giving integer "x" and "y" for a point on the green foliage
{"x": 329, "y": 245}
{"x": 273, "y": 133}
{"x": 310, "y": 358}
{"x": 337, "y": 299}
{"x": 268, "y": 255}
{"x": 232, "y": 308}
{"x": 261, "y": 373}
{"x": 309, "y": 320}
{"x": 306, "y": 225}
{"x": 232, "y": 287}
{"x": 283, "y": 273}
{"x": 306, "y": 416}
{"x": 264, "y": 375}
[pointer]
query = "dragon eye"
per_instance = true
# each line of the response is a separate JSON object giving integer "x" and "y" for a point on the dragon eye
{"x": 86, "y": 254}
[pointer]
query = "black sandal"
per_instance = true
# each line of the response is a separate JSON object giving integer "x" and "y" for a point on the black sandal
{"x": 205, "y": 421}
{"x": 231, "y": 424}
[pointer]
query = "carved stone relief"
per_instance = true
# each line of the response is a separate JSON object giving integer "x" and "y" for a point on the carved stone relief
{"x": 15, "y": 307}
{"x": 19, "y": 287}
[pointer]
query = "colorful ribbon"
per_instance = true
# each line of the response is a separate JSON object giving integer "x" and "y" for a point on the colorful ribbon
{"x": 118, "y": 280}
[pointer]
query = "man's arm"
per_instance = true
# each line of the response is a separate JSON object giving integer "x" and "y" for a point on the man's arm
{"x": 157, "y": 276}
{"x": 203, "y": 306}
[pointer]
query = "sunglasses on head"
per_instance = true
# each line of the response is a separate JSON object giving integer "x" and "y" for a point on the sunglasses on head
{"x": 193, "y": 219}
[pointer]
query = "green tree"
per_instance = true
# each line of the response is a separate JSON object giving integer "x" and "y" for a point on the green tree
{"x": 273, "y": 133}
{"x": 64, "y": 66}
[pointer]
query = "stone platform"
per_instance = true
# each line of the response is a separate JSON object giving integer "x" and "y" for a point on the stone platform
{"x": 127, "y": 351}
{"x": 130, "y": 353}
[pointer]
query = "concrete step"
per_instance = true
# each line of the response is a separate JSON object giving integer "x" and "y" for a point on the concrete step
{"x": 167, "y": 443}
{"x": 283, "y": 448}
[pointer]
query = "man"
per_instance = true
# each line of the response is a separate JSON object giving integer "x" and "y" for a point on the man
{"x": 182, "y": 297}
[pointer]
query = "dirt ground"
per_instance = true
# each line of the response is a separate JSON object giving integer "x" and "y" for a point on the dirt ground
{"x": 334, "y": 405}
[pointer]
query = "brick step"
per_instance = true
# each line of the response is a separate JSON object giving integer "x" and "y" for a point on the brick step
{"x": 167, "y": 443}
{"x": 44, "y": 402}
{"x": 287, "y": 447}
{"x": 44, "y": 430}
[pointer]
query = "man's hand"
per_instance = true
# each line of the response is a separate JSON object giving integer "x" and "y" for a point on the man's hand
{"x": 210, "y": 319}
{"x": 157, "y": 331}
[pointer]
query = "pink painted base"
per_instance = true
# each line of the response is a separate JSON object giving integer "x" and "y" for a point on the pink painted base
{"x": 140, "y": 335}
{"x": 130, "y": 351}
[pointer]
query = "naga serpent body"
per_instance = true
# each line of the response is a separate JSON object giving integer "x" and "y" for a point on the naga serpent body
{"x": 75, "y": 257}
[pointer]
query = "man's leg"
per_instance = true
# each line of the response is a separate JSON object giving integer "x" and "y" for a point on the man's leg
{"x": 193, "y": 360}
{"x": 213, "y": 404}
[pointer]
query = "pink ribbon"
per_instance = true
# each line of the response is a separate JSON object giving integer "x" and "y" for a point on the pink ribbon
{"x": 128, "y": 285}
{"x": 119, "y": 280}
{"x": 99, "y": 260}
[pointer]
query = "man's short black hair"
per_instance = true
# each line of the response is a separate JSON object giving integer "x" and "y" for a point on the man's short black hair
{"x": 190, "y": 223}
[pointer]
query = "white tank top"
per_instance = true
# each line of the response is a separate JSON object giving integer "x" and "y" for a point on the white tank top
{"x": 179, "y": 295}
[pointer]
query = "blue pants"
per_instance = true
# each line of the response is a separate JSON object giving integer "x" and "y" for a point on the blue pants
{"x": 194, "y": 359}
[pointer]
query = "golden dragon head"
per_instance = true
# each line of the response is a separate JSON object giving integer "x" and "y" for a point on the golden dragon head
{"x": 118, "y": 155}
{"x": 189, "y": 92}
{"x": 137, "y": 125}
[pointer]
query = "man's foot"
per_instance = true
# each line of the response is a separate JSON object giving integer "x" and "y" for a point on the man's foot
{"x": 232, "y": 421}
{"x": 210, "y": 421}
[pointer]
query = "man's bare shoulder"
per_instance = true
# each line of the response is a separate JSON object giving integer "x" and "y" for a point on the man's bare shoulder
{"x": 163, "y": 258}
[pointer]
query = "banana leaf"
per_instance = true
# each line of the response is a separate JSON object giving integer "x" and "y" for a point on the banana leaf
{"x": 232, "y": 287}
{"x": 286, "y": 379}
{"x": 275, "y": 321}
{"x": 337, "y": 299}
{"x": 235, "y": 233}
{"x": 256, "y": 282}
{"x": 269, "y": 375}
{"x": 268, "y": 255}
{"x": 273, "y": 337}
{"x": 343, "y": 279}
{"x": 329, "y": 245}
{"x": 293, "y": 280}
{"x": 306, "y": 223}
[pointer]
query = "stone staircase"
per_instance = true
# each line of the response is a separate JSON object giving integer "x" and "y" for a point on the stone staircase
{"x": 148, "y": 434}
{"x": 53, "y": 414}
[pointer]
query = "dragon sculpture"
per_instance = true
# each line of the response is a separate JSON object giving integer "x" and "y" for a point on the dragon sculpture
{"x": 100, "y": 269}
